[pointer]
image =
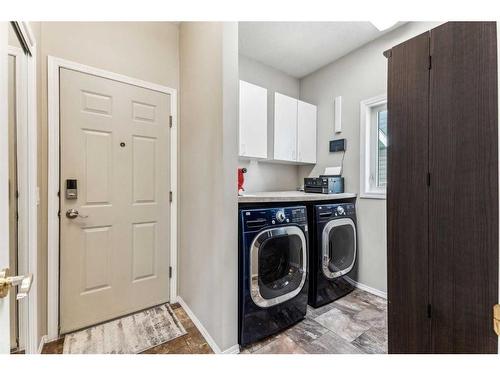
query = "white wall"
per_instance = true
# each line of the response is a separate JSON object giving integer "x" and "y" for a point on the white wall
{"x": 208, "y": 241}
{"x": 360, "y": 75}
{"x": 265, "y": 176}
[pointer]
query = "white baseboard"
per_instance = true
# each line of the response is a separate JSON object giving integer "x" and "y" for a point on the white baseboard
{"x": 235, "y": 349}
{"x": 232, "y": 350}
{"x": 367, "y": 288}
{"x": 43, "y": 340}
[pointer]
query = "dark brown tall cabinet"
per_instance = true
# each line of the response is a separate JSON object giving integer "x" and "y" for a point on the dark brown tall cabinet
{"x": 442, "y": 190}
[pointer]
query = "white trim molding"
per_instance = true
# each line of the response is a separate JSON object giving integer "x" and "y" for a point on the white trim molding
{"x": 365, "y": 191}
{"x": 53, "y": 68}
{"x": 27, "y": 171}
{"x": 367, "y": 288}
{"x": 43, "y": 340}
{"x": 4, "y": 184}
{"x": 235, "y": 349}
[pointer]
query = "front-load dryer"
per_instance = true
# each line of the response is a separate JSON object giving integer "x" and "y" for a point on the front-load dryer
{"x": 333, "y": 252}
{"x": 273, "y": 258}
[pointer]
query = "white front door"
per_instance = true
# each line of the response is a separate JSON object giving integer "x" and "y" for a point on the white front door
{"x": 115, "y": 154}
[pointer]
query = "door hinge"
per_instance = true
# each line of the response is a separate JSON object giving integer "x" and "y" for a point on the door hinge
{"x": 58, "y": 193}
{"x": 59, "y": 213}
{"x": 170, "y": 197}
{"x": 429, "y": 311}
{"x": 17, "y": 194}
{"x": 430, "y": 62}
{"x": 170, "y": 121}
{"x": 169, "y": 272}
{"x": 428, "y": 179}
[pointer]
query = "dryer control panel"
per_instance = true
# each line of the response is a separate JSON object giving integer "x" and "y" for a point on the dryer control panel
{"x": 330, "y": 211}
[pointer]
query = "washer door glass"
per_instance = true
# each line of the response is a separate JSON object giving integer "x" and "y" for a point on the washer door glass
{"x": 278, "y": 265}
{"x": 338, "y": 247}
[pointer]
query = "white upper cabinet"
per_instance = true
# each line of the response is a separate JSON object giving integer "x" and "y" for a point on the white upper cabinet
{"x": 285, "y": 128}
{"x": 294, "y": 130}
{"x": 253, "y": 121}
{"x": 306, "y": 132}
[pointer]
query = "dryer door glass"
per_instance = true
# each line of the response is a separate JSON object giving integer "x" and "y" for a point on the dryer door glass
{"x": 338, "y": 247}
{"x": 278, "y": 264}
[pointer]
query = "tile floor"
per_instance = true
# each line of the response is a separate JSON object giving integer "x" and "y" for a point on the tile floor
{"x": 354, "y": 324}
{"x": 191, "y": 343}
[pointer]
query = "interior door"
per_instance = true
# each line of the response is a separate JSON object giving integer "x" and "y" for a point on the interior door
{"x": 407, "y": 197}
{"x": 464, "y": 187}
{"x": 115, "y": 244}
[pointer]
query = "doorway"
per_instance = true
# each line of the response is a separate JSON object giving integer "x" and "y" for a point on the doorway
{"x": 114, "y": 241}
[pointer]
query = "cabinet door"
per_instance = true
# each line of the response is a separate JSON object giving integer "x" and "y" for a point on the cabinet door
{"x": 285, "y": 128}
{"x": 253, "y": 120}
{"x": 306, "y": 132}
{"x": 407, "y": 197}
{"x": 463, "y": 187}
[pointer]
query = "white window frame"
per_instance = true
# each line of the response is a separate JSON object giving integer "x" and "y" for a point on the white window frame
{"x": 368, "y": 188}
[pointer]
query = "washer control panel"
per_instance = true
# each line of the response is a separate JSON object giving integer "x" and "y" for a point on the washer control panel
{"x": 280, "y": 216}
{"x": 258, "y": 218}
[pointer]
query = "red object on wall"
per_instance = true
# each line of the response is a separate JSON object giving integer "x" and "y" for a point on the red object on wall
{"x": 241, "y": 178}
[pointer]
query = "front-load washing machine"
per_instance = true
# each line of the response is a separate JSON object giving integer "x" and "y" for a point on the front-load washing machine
{"x": 333, "y": 252}
{"x": 273, "y": 258}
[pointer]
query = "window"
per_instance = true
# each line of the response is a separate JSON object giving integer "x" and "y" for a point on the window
{"x": 374, "y": 141}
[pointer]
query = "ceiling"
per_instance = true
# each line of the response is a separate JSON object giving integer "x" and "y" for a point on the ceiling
{"x": 300, "y": 48}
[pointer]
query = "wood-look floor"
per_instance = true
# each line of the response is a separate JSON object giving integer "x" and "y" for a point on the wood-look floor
{"x": 354, "y": 324}
{"x": 191, "y": 343}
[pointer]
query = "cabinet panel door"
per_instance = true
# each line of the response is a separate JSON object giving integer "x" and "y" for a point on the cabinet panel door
{"x": 306, "y": 132}
{"x": 407, "y": 197}
{"x": 464, "y": 187}
{"x": 285, "y": 128}
{"x": 253, "y": 120}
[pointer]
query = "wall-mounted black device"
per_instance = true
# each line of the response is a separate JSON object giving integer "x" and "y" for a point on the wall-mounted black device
{"x": 71, "y": 189}
{"x": 338, "y": 145}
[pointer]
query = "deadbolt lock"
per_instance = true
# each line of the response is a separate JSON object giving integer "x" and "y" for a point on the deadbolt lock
{"x": 496, "y": 319}
{"x": 22, "y": 282}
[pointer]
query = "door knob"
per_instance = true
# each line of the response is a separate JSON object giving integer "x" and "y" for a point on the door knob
{"x": 496, "y": 319}
{"x": 22, "y": 282}
{"x": 72, "y": 214}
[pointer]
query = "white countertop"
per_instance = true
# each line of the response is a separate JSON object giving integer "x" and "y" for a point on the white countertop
{"x": 289, "y": 196}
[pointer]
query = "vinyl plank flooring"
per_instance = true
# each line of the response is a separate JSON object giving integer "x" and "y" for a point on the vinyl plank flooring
{"x": 191, "y": 343}
{"x": 354, "y": 324}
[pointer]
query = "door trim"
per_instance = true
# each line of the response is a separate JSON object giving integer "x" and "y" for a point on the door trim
{"x": 53, "y": 68}
{"x": 27, "y": 180}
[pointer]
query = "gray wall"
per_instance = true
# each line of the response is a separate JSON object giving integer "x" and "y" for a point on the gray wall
{"x": 359, "y": 75}
{"x": 208, "y": 241}
{"x": 265, "y": 176}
